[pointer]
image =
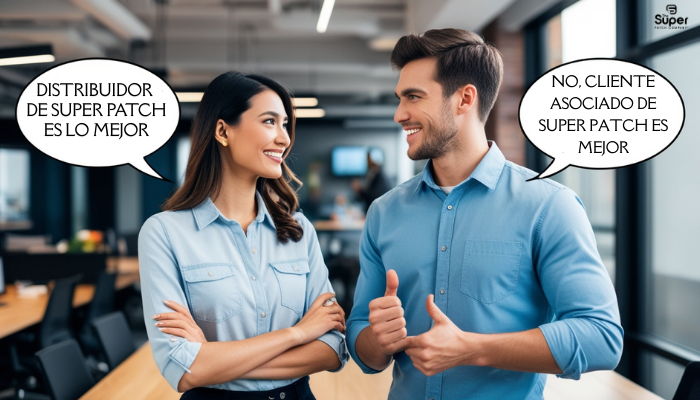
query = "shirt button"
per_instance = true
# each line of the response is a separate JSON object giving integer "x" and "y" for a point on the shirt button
{"x": 442, "y": 291}
{"x": 449, "y": 207}
{"x": 211, "y": 273}
{"x": 444, "y": 248}
{"x": 254, "y": 251}
{"x": 252, "y": 277}
{"x": 296, "y": 268}
{"x": 262, "y": 315}
{"x": 282, "y": 396}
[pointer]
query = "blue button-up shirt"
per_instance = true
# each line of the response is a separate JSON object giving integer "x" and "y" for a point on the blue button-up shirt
{"x": 236, "y": 285}
{"x": 500, "y": 255}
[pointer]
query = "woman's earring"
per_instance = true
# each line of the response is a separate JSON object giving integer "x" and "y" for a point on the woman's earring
{"x": 225, "y": 143}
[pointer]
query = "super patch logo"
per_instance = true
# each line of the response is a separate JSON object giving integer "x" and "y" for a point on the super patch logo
{"x": 666, "y": 21}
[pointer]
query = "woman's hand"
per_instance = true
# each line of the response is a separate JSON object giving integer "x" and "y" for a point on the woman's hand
{"x": 179, "y": 323}
{"x": 319, "y": 319}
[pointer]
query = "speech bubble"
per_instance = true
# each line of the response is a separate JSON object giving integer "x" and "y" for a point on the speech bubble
{"x": 98, "y": 113}
{"x": 600, "y": 113}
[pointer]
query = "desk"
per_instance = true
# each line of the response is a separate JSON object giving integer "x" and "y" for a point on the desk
{"x": 138, "y": 378}
{"x": 333, "y": 225}
{"x": 20, "y": 313}
{"x": 598, "y": 385}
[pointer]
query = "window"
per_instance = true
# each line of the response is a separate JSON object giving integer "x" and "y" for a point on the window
{"x": 14, "y": 189}
{"x": 674, "y": 274}
{"x": 571, "y": 36}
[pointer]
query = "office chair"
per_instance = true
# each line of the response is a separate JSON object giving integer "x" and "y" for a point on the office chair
{"x": 115, "y": 337}
{"x": 56, "y": 325}
{"x": 102, "y": 304}
{"x": 54, "y": 328}
{"x": 689, "y": 388}
{"x": 64, "y": 370}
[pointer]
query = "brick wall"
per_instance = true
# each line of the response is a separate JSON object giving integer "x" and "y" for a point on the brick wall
{"x": 502, "y": 125}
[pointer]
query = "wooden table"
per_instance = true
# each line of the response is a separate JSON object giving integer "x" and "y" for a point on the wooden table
{"x": 138, "y": 378}
{"x": 20, "y": 313}
{"x": 334, "y": 225}
{"x": 598, "y": 385}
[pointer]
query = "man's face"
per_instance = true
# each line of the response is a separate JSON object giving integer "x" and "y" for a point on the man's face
{"x": 424, "y": 113}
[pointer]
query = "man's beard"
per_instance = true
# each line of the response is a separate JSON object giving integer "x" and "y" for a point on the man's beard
{"x": 438, "y": 139}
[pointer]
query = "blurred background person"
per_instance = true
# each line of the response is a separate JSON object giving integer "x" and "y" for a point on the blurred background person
{"x": 376, "y": 182}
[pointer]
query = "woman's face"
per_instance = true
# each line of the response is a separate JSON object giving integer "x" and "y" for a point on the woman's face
{"x": 256, "y": 144}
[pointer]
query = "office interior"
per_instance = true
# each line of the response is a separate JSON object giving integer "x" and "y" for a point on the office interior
{"x": 59, "y": 220}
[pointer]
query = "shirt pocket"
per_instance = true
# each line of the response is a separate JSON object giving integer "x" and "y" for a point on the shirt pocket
{"x": 490, "y": 269}
{"x": 291, "y": 276}
{"x": 213, "y": 290}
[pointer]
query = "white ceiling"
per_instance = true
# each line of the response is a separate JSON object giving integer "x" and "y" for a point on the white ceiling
{"x": 195, "y": 40}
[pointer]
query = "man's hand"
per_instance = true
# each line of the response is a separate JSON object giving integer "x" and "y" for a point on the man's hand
{"x": 444, "y": 346}
{"x": 386, "y": 318}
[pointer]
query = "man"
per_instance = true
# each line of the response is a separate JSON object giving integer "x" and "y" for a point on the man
{"x": 376, "y": 183}
{"x": 500, "y": 279}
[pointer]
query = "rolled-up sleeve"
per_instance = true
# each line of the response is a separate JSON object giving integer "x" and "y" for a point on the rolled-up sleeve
{"x": 370, "y": 285}
{"x": 161, "y": 280}
{"x": 317, "y": 284}
{"x": 586, "y": 334}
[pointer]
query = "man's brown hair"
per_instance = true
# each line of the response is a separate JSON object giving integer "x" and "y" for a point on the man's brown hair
{"x": 462, "y": 58}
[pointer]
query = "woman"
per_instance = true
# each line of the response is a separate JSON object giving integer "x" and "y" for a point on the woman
{"x": 230, "y": 249}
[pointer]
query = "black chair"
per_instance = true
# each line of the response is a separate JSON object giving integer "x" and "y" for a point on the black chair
{"x": 64, "y": 369}
{"x": 102, "y": 304}
{"x": 689, "y": 388}
{"x": 115, "y": 337}
{"x": 55, "y": 327}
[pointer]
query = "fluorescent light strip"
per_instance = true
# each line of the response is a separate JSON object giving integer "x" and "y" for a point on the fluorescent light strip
{"x": 305, "y": 102}
{"x": 325, "y": 15}
{"x": 44, "y": 58}
{"x": 310, "y": 113}
{"x": 189, "y": 97}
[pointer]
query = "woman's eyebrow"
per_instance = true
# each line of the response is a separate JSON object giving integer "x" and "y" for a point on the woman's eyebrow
{"x": 272, "y": 113}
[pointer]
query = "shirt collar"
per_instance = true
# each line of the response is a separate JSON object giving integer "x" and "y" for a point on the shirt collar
{"x": 487, "y": 172}
{"x": 206, "y": 213}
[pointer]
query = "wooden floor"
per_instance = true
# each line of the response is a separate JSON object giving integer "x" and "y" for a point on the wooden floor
{"x": 351, "y": 383}
{"x": 138, "y": 378}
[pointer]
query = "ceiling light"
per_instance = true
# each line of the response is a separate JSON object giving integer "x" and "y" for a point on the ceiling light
{"x": 189, "y": 97}
{"x": 325, "y": 15}
{"x": 27, "y": 55}
{"x": 310, "y": 113}
{"x": 305, "y": 102}
{"x": 383, "y": 44}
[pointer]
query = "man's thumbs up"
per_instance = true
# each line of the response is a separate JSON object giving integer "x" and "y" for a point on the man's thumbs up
{"x": 440, "y": 348}
{"x": 392, "y": 283}
{"x": 386, "y": 317}
{"x": 434, "y": 311}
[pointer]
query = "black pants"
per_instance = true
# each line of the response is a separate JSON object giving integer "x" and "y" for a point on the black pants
{"x": 298, "y": 390}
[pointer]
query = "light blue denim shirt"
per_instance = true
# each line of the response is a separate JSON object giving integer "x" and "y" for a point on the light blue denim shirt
{"x": 236, "y": 286}
{"x": 500, "y": 255}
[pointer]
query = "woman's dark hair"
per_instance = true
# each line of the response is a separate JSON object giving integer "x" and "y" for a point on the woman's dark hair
{"x": 227, "y": 97}
{"x": 462, "y": 58}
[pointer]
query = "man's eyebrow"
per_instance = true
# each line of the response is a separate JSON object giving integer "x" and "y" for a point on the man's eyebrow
{"x": 408, "y": 91}
{"x": 272, "y": 113}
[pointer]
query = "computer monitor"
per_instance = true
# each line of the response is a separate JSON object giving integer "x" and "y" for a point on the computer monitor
{"x": 349, "y": 161}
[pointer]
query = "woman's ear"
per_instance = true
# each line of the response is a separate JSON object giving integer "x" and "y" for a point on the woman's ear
{"x": 220, "y": 132}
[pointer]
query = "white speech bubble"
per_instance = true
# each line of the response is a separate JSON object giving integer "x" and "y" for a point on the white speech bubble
{"x": 600, "y": 113}
{"x": 98, "y": 113}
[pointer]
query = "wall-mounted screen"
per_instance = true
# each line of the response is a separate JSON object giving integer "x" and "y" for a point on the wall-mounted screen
{"x": 349, "y": 161}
